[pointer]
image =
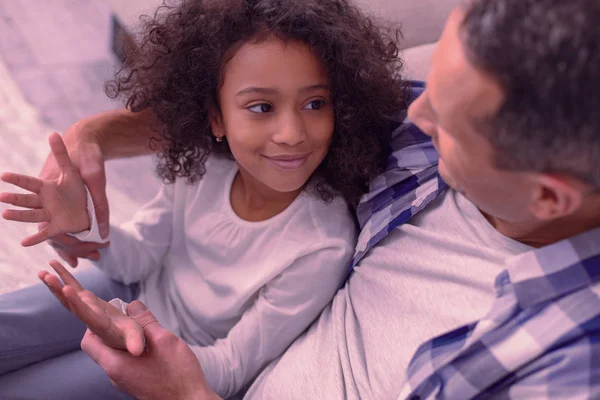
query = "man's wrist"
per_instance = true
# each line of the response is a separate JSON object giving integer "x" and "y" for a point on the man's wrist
{"x": 84, "y": 132}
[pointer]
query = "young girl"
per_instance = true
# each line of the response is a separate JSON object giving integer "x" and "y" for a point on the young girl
{"x": 271, "y": 117}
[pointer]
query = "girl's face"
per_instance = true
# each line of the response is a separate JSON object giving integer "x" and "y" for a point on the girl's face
{"x": 276, "y": 113}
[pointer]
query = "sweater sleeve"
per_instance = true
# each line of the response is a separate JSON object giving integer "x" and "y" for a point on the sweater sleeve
{"x": 138, "y": 247}
{"x": 285, "y": 307}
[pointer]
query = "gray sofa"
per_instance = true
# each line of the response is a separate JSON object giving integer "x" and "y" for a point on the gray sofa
{"x": 420, "y": 21}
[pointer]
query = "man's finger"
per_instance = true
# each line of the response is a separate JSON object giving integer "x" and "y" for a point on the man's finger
{"x": 59, "y": 150}
{"x": 66, "y": 276}
{"x": 21, "y": 200}
{"x": 69, "y": 259}
{"x": 98, "y": 351}
{"x": 70, "y": 253}
{"x": 28, "y": 183}
{"x": 102, "y": 212}
{"x": 85, "y": 247}
{"x": 94, "y": 176}
{"x": 91, "y": 255}
{"x": 26, "y": 215}
{"x": 144, "y": 317}
{"x": 64, "y": 240}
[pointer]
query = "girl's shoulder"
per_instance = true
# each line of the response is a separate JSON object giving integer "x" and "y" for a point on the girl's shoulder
{"x": 217, "y": 172}
{"x": 217, "y": 169}
{"x": 333, "y": 218}
{"x": 216, "y": 165}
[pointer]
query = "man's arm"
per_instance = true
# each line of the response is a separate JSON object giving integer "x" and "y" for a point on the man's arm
{"x": 119, "y": 133}
{"x": 568, "y": 372}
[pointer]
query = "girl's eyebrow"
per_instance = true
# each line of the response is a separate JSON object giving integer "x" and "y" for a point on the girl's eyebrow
{"x": 262, "y": 90}
{"x": 314, "y": 88}
{"x": 253, "y": 89}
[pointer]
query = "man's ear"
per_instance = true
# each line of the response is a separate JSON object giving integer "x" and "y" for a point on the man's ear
{"x": 556, "y": 197}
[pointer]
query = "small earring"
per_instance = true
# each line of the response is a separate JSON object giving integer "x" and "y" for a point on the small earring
{"x": 219, "y": 139}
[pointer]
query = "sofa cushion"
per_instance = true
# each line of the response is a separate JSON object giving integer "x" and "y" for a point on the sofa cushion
{"x": 417, "y": 61}
{"x": 421, "y": 21}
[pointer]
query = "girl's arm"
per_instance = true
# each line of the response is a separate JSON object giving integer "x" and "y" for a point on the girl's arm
{"x": 138, "y": 247}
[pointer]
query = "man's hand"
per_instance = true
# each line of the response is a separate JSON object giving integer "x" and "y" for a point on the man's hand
{"x": 116, "y": 329}
{"x": 84, "y": 147}
{"x": 60, "y": 202}
{"x": 168, "y": 369}
{"x": 93, "y": 140}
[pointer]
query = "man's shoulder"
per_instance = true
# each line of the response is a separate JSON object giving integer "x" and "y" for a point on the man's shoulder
{"x": 409, "y": 182}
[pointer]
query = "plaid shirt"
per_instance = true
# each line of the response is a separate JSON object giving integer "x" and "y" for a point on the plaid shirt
{"x": 541, "y": 338}
{"x": 410, "y": 182}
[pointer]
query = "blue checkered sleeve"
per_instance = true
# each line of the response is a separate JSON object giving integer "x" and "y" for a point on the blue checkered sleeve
{"x": 408, "y": 184}
{"x": 541, "y": 338}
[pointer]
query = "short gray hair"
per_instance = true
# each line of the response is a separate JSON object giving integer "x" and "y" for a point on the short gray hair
{"x": 546, "y": 56}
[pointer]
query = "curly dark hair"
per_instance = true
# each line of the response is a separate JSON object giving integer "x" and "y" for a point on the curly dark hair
{"x": 176, "y": 69}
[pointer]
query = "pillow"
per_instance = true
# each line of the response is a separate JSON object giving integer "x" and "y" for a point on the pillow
{"x": 421, "y": 21}
{"x": 417, "y": 61}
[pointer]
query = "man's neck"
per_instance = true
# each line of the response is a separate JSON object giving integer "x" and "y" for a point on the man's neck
{"x": 542, "y": 234}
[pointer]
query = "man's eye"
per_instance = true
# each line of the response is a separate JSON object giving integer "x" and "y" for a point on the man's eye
{"x": 261, "y": 108}
{"x": 314, "y": 105}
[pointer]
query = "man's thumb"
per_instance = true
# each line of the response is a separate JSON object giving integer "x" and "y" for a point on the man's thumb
{"x": 136, "y": 309}
{"x": 140, "y": 314}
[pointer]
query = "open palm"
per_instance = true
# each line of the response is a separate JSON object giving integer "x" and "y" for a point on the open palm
{"x": 60, "y": 202}
{"x": 115, "y": 328}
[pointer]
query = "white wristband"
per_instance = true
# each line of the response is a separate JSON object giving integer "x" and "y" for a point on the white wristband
{"x": 119, "y": 305}
{"x": 93, "y": 234}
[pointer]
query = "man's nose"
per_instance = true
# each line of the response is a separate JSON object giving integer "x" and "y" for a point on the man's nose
{"x": 419, "y": 114}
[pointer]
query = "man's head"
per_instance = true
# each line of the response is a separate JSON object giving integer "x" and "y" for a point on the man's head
{"x": 511, "y": 105}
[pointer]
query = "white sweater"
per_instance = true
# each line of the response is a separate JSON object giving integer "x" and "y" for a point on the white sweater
{"x": 238, "y": 292}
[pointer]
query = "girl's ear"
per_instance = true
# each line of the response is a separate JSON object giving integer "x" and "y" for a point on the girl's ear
{"x": 216, "y": 124}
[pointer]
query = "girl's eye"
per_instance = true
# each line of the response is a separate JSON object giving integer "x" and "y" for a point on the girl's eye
{"x": 315, "y": 105}
{"x": 261, "y": 108}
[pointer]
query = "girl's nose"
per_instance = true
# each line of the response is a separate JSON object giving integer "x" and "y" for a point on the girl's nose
{"x": 291, "y": 130}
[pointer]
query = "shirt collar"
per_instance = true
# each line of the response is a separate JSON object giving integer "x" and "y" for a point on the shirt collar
{"x": 411, "y": 149}
{"x": 553, "y": 271}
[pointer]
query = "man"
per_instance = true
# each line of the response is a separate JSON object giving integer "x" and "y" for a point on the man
{"x": 510, "y": 106}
